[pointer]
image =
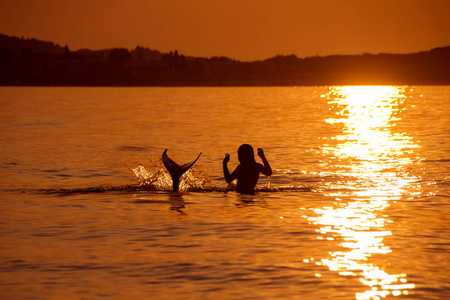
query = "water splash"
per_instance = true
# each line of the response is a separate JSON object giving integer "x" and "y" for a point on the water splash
{"x": 161, "y": 180}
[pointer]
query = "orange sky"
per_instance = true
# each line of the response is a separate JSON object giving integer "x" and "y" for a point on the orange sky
{"x": 242, "y": 29}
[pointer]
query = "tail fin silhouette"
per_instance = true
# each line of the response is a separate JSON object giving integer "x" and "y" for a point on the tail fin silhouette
{"x": 175, "y": 170}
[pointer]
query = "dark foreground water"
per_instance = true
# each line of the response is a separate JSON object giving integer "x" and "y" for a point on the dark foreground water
{"x": 357, "y": 207}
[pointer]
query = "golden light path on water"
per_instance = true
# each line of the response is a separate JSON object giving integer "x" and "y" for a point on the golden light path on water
{"x": 374, "y": 161}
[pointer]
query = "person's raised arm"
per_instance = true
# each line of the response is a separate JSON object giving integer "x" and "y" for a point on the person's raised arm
{"x": 266, "y": 170}
{"x": 228, "y": 177}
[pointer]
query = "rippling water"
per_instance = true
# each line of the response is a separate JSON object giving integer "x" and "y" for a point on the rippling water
{"x": 357, "y": 207}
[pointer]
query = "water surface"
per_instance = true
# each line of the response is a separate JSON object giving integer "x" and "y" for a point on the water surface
{"x": 357, "y": 207}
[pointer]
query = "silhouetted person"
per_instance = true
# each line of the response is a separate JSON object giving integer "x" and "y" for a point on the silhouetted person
{"x": 247, "y": 172}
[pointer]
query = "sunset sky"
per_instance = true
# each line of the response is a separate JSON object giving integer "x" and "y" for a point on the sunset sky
{"x": 245, "y": 30}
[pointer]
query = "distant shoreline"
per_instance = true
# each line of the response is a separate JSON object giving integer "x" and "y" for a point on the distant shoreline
{"x": 30, "y": 62}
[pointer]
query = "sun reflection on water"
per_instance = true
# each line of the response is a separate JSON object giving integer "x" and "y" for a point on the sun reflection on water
{"x": 374, "y": 160}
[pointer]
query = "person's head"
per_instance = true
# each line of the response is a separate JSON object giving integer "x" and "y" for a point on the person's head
{"x": 246, "y": 154}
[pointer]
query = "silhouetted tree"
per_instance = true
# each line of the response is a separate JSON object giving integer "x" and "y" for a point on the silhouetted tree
{"x": 140, "y": 56}
{"x": 67, "y": 50}
{"x": 119, "y": 56}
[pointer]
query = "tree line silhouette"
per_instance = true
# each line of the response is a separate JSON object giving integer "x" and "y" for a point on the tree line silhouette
{"x": 30, "y": 62}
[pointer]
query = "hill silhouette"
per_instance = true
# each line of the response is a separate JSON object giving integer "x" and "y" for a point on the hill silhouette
{"x": 30, "y": 62}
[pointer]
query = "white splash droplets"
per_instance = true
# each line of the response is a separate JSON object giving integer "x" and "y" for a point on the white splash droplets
{"x": 161, "y": 180}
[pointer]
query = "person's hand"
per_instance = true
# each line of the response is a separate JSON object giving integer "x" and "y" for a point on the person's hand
{"x": 260, "y": 152}
{"x": 226, "y": 159}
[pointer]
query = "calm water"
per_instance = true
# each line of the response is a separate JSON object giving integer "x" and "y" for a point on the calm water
{"x": 357, "y": 207}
